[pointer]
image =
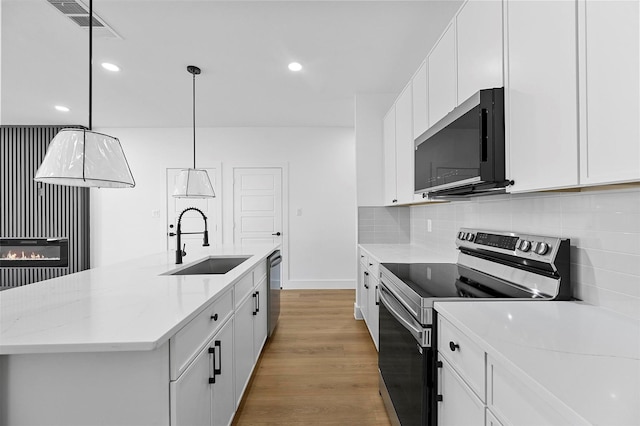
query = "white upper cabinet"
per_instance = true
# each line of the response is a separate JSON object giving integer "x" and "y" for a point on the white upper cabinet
{"x": 541, "y": 112}
{"x": 442, "y": 76}
{"x": 609, "y": 91}
{"x": 404, "y": 147}
{"x": 479, "y": 42}
{"x": 389, "y": 152}
{"x": 419, "y": 93}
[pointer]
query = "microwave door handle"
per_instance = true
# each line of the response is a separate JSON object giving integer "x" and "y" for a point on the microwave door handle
{"x": 484, "y": 134}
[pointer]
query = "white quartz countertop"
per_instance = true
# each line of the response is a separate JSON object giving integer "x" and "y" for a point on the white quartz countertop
{"x": 586, "y": 358}
{"x": 128, "y": 306}
{"x": 405, "y": 253}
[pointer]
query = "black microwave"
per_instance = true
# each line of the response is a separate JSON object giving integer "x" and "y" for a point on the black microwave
{"x": 463, "y": 154}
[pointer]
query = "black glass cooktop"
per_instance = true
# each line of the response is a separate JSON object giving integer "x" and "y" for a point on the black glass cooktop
{"x": 436, "y": 280}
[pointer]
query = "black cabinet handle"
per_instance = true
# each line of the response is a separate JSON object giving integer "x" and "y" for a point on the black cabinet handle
{"x": 258, "y": 302}
{"x": 394, "y": 201}
{"x": 277, "y": 234}
{"x": 214, "y": 317}
{"x": 212, "y": 353}
{"x": 217, "y": 371}
{"x": 255, "y": 312}
{"x": 377, "y": 298}
{"x": 439, "y": 398}
{"x": 453, "y": 346}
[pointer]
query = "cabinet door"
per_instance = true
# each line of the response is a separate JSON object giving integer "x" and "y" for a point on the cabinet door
{"x": 389, "y": 140}
{"x": 479, "y": 41}
{"x": 260, "y": 319}
{"x": 404, "y": 147}
{"x": 243, "y": 344}
{"x": 459, "y": 405}
{"x": 419, "y": 93}
{"x": 191, "y": 393}
{"x": 373, "y": 309}
{"x": 364, "y": 286}
{"x": 224, "y": 404}
{"x": 442, "y": 76}
{"x": 541, "y": 95}
{"x": 610, "y": 93}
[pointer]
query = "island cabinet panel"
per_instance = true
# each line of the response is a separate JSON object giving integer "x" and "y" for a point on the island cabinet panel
{"x": 250, "y": 333}
{"x": 203, "y": 395}
{"x": 90, "y": 388}
{"x": 191, "y": 338}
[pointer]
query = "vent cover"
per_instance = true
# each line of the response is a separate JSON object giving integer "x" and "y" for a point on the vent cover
{"x": 78, "y": 12}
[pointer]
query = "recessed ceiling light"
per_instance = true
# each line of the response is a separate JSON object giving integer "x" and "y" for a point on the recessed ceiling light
{"x": 294, "y": 66}
{"x": 62, "y": 108}
{"x": 110, "y": 67}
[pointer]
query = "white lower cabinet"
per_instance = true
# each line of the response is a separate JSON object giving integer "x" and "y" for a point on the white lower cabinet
{"x": 368, "y": 282}
{"x": 475, "y": 389}
{"x": 513, "y": 402}
{"x": 459, "y": 405}
{"x": 203, "y": 395}
{"x": 250, "y": 333}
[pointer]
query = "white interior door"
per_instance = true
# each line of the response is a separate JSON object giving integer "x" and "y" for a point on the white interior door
{"x": 192, "y": 221}
{"x": 257, "y": 205}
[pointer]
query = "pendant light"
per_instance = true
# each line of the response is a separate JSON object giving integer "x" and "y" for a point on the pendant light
{"x": 193, "y": 183}
{"x": 82, "y": 157}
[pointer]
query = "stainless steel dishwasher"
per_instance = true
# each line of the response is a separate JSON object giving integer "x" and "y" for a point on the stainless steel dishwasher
{"x": 274, "y": 278}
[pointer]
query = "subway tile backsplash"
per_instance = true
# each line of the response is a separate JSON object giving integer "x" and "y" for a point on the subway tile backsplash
{"x": 383, "y": 225}
{"x": 604, "y": 228}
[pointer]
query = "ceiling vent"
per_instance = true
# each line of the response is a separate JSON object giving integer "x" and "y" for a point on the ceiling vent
{"x": 78, "y": 12}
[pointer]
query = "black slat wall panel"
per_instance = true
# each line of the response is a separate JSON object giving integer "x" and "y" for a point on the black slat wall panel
{"x": 37, "y": 210}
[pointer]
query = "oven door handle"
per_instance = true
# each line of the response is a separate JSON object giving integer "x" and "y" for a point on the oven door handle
{"x": 420, "y": 334}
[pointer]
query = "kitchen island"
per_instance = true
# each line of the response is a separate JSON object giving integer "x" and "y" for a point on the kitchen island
{"x": 117, "y": 344}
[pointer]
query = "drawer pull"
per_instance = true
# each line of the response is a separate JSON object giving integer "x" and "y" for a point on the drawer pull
{"x": 214, "y": 317}
{"x": 453, "y": 346}
{"x": 439, "y": 398}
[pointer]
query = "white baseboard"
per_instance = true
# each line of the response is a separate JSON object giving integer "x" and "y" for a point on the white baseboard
{"x": 319, "y": 284}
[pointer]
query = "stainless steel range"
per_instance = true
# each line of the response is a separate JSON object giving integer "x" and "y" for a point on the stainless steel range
{"x": 492, "y": 265}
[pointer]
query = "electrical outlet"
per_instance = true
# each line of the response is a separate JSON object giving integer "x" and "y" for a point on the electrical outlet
{"x": 428, "y": 225}
{"x": 299, "y": 212}
{"x": 155, "y": 213}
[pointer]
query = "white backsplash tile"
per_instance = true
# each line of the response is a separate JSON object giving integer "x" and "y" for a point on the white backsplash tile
{"x": 604, "y": 228}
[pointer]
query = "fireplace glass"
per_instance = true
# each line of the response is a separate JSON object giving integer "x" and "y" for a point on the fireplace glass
{"x": 34, "y": 252}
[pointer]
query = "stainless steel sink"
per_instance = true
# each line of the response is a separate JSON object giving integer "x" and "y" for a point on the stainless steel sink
{"x": 211, "y": 265}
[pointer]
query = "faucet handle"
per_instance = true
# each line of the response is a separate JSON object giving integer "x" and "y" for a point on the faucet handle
{"x": 184, "y": 253}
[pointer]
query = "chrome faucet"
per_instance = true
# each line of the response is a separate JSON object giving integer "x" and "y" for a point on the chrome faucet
{"x": 180, "y": 250}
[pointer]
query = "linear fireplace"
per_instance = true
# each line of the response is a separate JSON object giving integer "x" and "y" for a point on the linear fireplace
{"x": 34, "y": 252}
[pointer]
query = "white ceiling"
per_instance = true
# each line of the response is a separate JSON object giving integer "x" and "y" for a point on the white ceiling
{"x": 243, "y": 48}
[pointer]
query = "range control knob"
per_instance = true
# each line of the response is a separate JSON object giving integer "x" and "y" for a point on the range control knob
{"x": 525, "y": 245}
{"x": 542, "y": 248}
{"x": 461, "y": 235}
{"x": 470, "y": 236}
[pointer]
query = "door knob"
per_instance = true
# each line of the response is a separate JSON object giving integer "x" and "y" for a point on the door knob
{"x": 277, "y": 233}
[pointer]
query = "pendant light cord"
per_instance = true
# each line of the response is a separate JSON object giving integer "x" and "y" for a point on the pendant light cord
{"x": 194, "y": 120}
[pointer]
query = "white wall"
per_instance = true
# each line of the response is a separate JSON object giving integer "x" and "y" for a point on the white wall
{"x": 321, "y": 172}
{"x": 604, "y": 228}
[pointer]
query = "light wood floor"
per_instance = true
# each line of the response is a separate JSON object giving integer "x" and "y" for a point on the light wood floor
{"x": 319, "y": 368}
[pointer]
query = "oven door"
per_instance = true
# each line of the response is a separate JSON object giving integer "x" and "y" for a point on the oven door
{"x": 406, "y": 367}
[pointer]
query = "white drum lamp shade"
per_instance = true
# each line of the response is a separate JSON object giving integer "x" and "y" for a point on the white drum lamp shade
{"x": 193, "y": 183}
{"x": 78, "y": 157}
